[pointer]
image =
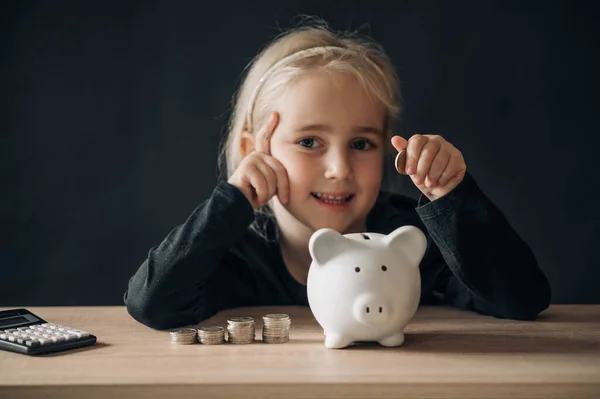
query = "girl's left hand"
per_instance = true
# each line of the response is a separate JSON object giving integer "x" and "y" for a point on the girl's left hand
{"x": 435, "y": 166}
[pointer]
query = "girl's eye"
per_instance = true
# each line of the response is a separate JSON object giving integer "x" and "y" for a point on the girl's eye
{"x": 362, "y": 145}
{"x": 307, "y": 143}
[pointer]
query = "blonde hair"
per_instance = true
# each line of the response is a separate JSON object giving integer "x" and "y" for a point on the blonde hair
{"x": 290, "y": 56}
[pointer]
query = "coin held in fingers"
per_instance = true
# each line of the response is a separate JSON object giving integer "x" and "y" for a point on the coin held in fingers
{"x": 400, "y": 162}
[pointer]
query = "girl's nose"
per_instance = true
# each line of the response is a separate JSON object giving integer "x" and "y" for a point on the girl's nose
{"x": 338, "y": 165}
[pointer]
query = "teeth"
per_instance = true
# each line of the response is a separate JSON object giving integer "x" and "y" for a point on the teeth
{"x": 332, "y": 197}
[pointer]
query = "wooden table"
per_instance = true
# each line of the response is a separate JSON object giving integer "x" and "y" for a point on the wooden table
{"x": 447, "y": 353}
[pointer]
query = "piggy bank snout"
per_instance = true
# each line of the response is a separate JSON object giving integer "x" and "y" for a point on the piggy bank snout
{"x": 371, "y": 309}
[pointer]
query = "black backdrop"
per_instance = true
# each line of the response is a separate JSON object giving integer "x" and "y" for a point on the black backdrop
{"x": 112, "y": 113}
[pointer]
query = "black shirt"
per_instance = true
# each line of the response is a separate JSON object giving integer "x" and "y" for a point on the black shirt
{"x": 474, "y": 260}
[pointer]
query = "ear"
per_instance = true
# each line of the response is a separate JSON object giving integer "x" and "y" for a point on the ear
{"x": 325, "y": 244}
{"x": 247, "y": 143}
{"x": 410, "y": 240}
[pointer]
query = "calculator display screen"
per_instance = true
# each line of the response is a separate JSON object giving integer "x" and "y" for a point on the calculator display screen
{"x": 12, "y": 321}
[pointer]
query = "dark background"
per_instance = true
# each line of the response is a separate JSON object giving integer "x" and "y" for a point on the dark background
{"x": 111, "y": 114}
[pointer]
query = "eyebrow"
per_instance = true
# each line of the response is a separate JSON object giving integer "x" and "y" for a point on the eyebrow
{"x": 328, "y": 129}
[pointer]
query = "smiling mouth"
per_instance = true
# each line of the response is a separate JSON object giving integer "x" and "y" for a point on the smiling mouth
{"x": 333, "y": 199}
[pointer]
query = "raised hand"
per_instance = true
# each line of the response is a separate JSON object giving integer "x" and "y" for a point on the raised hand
{"x": 435, "y": 166}
{"x": 259, "y": 176}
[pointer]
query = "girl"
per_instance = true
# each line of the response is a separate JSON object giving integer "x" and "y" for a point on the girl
{"x": 305, "y": 150}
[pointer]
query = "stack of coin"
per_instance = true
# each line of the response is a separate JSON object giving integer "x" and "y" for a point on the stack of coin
{"x": 241, "y": 330}
{"x": 183, "y": 336}
{"x": 211, "y": 335}
{"x": 276, "y": 328}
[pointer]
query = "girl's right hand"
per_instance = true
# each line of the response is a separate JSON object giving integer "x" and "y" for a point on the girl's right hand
{"x": 259, "y": 176}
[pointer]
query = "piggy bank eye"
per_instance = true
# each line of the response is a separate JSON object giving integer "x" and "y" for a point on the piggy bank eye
{"x": 384, "y": 267}
{"x": 357, "y": 269}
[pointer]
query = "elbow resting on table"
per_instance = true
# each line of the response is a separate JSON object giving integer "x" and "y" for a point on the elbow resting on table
{"x": 153, "y": 315}
{"x": 144, "y": 313}
{"x": 529, "y": 305}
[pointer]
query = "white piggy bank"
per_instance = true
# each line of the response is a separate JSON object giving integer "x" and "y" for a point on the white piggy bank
{"x": 365, "y": 286}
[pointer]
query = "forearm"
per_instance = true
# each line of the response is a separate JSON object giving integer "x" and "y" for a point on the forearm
{"x": 168, "y": 287}
{"x": 494, "y": 270}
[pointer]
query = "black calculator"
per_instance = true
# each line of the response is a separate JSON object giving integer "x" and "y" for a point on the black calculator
{"x": 23, "y": 332}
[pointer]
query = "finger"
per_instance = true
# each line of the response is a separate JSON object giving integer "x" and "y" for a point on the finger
{"x": 439, "y": 164}
{"x": 270, "y": 177}
{"x": 283, "y": 185}
{"x": 399, "y": 143}
{"x": 263, "y": 137}
{"x": 455, "y": 165}
{"x": 428, "y": 153}
{"x": 413, "y": 152}
{"x": 259, "y": 184}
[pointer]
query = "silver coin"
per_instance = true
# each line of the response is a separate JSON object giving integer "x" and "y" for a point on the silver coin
{"x": 241, "y": 330}
{"x": 240, "y": 320}
{"x": 400, "y": 162}
{"x": 211, "y": 329}
{"x": 276, "y": 316}
{"x": 276, "y": 328}
{"x": 183, "y": 331}
{"x": 276, "y": 340}
{"x": 211, "y": 335}
{"x": 212, "y": 340}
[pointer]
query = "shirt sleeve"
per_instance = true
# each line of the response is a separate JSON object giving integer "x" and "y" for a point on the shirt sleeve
{"x": 491, "y": 269}
{"x": 169, "y": 288}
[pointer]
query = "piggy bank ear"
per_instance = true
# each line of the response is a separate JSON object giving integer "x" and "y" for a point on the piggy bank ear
{"x": 324, "y": 244}
{"x": 410, "y": 240}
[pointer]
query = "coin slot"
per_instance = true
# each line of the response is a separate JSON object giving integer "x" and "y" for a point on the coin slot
{"x": 367, "y": 309}
{"x": 380, "y": 310}
{"x": 366, "y": 237}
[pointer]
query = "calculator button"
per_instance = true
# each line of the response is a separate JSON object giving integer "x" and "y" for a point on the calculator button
{"x": 4, "y": 336}
{"x": 12, "y": 338}
{"x": 11, "y": 330}
{"x": 70, "y": 337}
{"x": 32, "y": 343}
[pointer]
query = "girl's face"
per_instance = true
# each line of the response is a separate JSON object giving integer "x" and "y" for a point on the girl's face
{"x": 330, "y": 139}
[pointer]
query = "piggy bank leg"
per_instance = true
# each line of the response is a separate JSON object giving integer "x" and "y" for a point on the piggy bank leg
{"x": 336, "y": 341}
{"x": 393, "y": 340}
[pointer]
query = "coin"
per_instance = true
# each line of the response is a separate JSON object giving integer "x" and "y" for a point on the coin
{"x": 400, "y": 162}
{"x": 183, "y": 336}
{"x": 241, "y": 330}
{"x": 212, "y": 335}
{"x": 276, "y": 328}
{"x": 241, "y": 320}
